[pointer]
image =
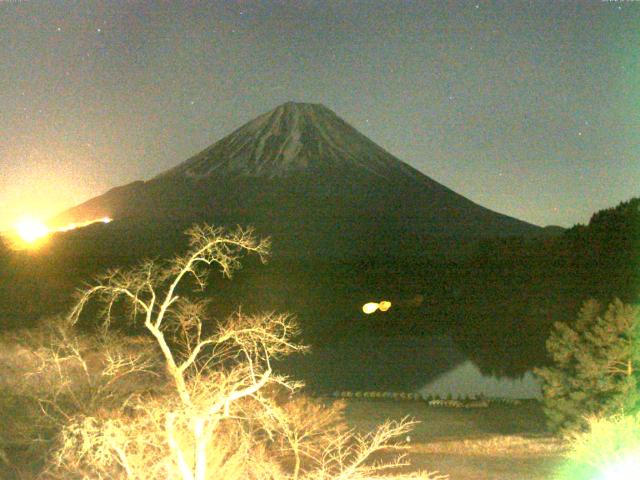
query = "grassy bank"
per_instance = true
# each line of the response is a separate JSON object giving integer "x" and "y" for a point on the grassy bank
{"x": 500, "y": 442}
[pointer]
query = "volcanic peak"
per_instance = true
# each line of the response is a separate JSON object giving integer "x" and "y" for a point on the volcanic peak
{"x": 291, "y": 138}
{"x": 309, "y": 178}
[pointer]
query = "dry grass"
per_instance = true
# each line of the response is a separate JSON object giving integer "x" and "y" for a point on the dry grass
{"x": 501, "y": 442}
{"x": 514, "y": 446}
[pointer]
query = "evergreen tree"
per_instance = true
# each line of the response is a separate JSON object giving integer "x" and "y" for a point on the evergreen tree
{"x": 596, "y": 366}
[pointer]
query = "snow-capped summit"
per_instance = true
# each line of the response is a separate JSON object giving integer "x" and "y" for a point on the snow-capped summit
{"x": 292, "y": 137}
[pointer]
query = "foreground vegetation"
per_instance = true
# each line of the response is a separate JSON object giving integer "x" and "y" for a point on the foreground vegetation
{"x": 499, "y": 442}
{"x": 596, "y": 365}
{"x": 591, "y": 391}
{"x": 199, "y": 400}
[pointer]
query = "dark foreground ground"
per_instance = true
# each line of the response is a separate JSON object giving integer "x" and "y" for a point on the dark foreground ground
{"x": 500, "y": 442}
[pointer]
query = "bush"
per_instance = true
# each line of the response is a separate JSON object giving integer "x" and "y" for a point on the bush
{"x": 49, "y": 375}
{"x": 595, "y": 366}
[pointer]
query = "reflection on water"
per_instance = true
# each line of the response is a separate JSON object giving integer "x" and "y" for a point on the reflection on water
{"x": 467, "y": 380}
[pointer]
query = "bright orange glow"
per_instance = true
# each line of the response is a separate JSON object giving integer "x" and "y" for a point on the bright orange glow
{"x": 73, "y": 226}
{"x": 31, "y": 231}
{"x": 384, "y": 305}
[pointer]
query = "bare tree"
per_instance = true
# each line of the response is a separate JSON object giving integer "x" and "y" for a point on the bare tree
{"x": 220, "y": 418}
{"x": 152, "y": 290}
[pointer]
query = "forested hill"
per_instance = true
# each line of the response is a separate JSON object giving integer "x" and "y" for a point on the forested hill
{"x": 514, "y": 289}
{"x": 608, "y": 249}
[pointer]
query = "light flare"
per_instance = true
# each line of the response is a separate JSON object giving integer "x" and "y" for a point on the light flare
{"x": 73, "y": 226}
{"x": 628, "y": 468}
{"x": 371, "y": 307}
{"x": 31, "y": 231}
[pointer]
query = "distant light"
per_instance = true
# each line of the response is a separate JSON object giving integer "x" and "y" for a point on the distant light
{"x": 66, "y": 228}
{"x": 74, "y": 226}
{"x": 371, "y": 307}
{"x": 30, "y": 230}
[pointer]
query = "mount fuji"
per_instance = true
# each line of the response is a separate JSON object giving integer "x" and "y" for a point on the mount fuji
{"x": 304, "y": 176}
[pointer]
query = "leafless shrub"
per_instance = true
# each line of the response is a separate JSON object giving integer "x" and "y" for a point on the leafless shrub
{"x": 49, "y": 375}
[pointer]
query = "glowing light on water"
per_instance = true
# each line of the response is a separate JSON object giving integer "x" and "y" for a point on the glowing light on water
{"x": 371, "y": 307}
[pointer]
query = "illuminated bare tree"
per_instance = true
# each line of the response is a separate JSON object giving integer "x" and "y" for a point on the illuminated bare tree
{"x": 152, "y": 290}
{"x": 219, "y": 418}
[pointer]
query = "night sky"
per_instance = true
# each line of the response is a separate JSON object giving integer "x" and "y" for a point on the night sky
{"x": 529, "y": 108}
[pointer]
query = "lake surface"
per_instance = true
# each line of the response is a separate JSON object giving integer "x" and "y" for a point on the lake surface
{"x": 467, "y": 380}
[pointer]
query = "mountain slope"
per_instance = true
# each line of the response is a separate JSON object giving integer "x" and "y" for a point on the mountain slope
{"x": 305, "y": 176}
